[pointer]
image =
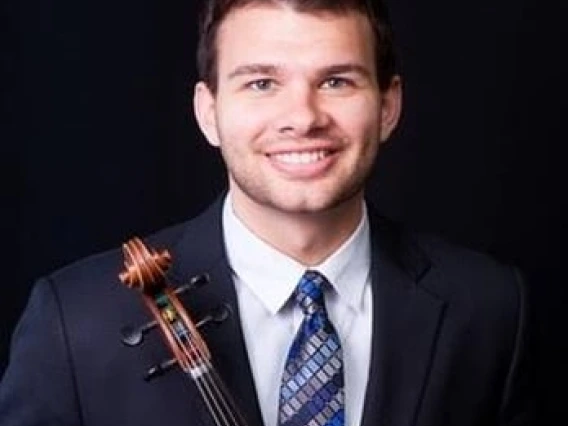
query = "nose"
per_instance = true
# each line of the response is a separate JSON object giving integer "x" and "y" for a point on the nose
{"x": 303, "y": 113}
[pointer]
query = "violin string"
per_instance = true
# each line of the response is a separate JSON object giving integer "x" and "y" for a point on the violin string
{"x": 224, "y": 396}
{"x": 236, "y": 417}
{"x": 218, "y": 386}
{"x": 202, "y": 386}
{"x": 209, "y": 390}
{"x": 223, "y": 407}
{"x": 211, "y": 380}
{"x": 213, "y": 386}
{"x": 191, "y": 336}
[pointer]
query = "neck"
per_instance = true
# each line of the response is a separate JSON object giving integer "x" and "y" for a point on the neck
{"x": 308, "y": 238}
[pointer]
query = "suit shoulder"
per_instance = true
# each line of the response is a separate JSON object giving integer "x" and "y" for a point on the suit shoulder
{"x": 471, "y": 276}
{"x": 450, "y": 269}
{"x": 442, "y": 250}
{"x": 95, "y": 273}
{"x": 453, "y": 256}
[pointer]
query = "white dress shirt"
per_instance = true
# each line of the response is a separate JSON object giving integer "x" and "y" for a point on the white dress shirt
{"x": 266, "y": 278}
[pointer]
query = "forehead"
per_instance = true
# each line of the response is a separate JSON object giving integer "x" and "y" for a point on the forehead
{"x": 279, "y": 35}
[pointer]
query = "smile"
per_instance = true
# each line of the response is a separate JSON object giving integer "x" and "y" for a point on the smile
{"x": 300, "y": 157}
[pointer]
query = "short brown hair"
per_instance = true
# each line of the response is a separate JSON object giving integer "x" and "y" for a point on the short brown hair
{"x": 215, "y": 11}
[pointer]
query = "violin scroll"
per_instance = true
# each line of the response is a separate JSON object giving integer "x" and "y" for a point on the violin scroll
{"x": 144, "y": 268}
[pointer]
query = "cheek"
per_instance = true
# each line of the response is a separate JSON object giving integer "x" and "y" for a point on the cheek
{"x": 360, "y": 121}
{"x": 241, "y": 123}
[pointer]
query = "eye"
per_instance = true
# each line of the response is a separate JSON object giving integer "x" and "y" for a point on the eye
{"x": 335, "y": 83}
{"x": 261, "y": 85}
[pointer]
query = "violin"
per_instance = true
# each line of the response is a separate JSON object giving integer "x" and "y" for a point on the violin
{"x": 145, "y": 270}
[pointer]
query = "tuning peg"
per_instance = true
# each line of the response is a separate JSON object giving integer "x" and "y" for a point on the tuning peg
{"x": 159, "y": 369}
{"x": 194, "y": 282}
{"x": 132, "y": 336}
{"x": 216, "y": 316}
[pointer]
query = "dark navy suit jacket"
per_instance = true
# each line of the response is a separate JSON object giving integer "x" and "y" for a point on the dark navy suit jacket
{"x": 449, "y": 342}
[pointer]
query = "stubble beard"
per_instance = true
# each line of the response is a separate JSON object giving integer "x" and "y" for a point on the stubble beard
{"x": 259, "y": 192}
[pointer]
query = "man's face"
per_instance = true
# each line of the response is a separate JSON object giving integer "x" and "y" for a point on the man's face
{"x": 298, "y": 114}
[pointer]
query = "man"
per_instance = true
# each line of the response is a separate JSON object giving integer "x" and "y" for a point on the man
{"x": 298, "y": 96}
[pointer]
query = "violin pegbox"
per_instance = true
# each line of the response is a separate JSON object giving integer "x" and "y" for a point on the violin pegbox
{"x": 145, "y": 270}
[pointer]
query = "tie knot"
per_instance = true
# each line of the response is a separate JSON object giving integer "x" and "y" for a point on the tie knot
{"x": 309, "y": 292}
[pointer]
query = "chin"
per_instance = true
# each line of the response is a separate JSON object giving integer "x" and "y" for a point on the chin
{"x": 300, "y": 199}
{"x": 313, "y": 205}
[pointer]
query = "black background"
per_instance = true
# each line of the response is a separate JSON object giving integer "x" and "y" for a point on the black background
{"x": 99, "y": 142}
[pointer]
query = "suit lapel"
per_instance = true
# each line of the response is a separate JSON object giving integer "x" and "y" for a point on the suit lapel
{"x": 200, "y": 251}
{"x": 406, "y": 319}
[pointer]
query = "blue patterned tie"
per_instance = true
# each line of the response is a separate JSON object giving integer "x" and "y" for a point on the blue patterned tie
{"x": 311, "y": 392}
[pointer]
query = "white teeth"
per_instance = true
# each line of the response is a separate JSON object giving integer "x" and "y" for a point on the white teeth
{"x": 300, "y": 157}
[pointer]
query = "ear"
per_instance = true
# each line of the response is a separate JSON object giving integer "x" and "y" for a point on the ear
{"x": 204, "y": 110}
{"x": 390, "y": 108}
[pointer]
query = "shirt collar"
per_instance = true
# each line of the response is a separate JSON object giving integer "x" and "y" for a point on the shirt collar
{"x": 272, "y": 276}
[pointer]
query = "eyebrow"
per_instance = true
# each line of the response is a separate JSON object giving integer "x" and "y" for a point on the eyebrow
{"x": 345, "y": 69}
{"x": 253, "y": 69}
{"x": 275, "y": 69}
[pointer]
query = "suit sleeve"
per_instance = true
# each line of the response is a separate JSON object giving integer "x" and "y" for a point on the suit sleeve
{"x": 517, "y": 406}
{"x": 38, "y": 385}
